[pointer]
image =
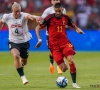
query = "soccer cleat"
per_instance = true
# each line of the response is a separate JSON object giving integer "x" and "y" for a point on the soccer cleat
{"x": 59, "y": 70}
{"x": 75, "y": 85}
{"x": 52, "y": 69}
{"x": 24, "y": 80}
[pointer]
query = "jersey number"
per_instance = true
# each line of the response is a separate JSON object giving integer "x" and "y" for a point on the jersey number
{"x": 59, "y": 28}
{"x": 70, "y": 45}
{"x": 16, "y": 31}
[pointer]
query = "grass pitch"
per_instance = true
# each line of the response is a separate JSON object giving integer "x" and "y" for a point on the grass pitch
{"x": 37, "y": 72}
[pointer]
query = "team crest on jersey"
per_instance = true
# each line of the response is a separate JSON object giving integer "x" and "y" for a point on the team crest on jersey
{"x": 15, "y": 25}
{"x": 64, "y": 22}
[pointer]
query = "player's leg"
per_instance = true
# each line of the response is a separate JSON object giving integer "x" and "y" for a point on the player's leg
{"x": 23, "y": 61}
{"x": 50, "y": 57}
{"x": 24, "y": 53}
{"x": 18, "y": 65}
{"x": 14, "y": 49}
{"x": 70, "y": 57}
{"x": 69, "y": 53}
{"x": 59, "y": 70}
{"x": 72, "y": 70}
{"x": 51, "y": 63}
{"x": 58, "y": 57}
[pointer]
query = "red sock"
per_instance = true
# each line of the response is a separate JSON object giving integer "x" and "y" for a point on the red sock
{"x": 72, "y": 68}
{"x": 73, "y": 72}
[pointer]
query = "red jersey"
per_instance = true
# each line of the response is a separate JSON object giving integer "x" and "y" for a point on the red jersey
{"x": 57, "y": 35}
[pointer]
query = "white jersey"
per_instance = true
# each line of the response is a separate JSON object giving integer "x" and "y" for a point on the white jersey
{"x": 50, "y": 10}
{"x": 18, "y": 29}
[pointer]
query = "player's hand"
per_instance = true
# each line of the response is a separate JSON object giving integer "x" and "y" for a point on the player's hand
{"x": 39, "y": 20}
{"x": 38, "y": 43}
{"x": 66, "y": 26}
{"x": 78, "y": 30}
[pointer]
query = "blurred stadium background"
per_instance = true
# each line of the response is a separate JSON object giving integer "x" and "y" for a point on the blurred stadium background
{"x": 85, "y": 13}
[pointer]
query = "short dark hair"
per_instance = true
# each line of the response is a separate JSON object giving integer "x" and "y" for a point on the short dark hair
{"x": 58, "y": 5}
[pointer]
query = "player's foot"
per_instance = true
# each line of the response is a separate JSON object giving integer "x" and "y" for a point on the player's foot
{"x": 75, "y": 85}
{"x": 52, "y": 69}
{"x": 59, "y": 70}
{"x": 24, "y": 80}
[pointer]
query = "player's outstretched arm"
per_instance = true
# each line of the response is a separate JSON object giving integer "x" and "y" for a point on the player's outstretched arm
{"x": 37, "y": 29}
{"x": 72, "y": 24}
{"x": 33, "y": 17}
{"x": 1, "y": 24}
{"x": 78, "y": 30}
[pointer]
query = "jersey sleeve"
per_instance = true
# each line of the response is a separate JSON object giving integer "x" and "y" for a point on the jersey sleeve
{"x": 70, "y": 22}
{"x": 4, "y": 18}
{"x": 47, "y": 20}
{"x": 26, "y": 15}
{"x": 43, "y": 24}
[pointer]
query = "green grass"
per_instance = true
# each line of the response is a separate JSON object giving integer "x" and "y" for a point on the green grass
{"x": 37, "y": 72}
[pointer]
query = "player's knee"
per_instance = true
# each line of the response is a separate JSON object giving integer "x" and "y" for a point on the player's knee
{"x": 64, "y": 69}
{"x": 16, "y": 56}
{"x": 24, "y": 61}
{"x": 70, "y": 59}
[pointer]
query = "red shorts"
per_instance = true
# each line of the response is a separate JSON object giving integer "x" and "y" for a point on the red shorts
{"x": 59, "y": 52}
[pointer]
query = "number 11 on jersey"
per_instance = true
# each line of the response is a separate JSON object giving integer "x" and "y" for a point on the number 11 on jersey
{"x": 59, "y": 28}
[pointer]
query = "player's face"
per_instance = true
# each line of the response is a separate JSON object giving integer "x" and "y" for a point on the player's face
{"x": 16, "y": 12}
{"x": 58, "y": 12}
{"x": 55, "y": 1}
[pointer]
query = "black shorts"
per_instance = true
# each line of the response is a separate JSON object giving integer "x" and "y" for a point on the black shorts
{"x": 22, "y": 48}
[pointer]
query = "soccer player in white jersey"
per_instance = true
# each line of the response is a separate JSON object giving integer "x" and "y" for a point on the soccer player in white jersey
{"x": 18, "y": 36}
{"x": 50, "y": 10}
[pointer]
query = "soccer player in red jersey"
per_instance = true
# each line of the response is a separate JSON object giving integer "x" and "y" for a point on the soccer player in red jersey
{"x": 47, "y": 11}
{"x": 58, "y": 42}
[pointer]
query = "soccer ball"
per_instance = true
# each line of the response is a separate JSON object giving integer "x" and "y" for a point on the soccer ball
{"x": 62, "y": 81}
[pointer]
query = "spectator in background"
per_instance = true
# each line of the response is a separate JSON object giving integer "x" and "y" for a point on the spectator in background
{"x": 69, "y": 5}
{"x": 94, "y": 21}
{"x": 23, "y": 4}
{"x": 82, "y": 18}
{"x": 38, "y": 5}
{"x": 80, "y": 2}
{"x": 90, "y": 2}
{"x": 46, "y": 3}
{"x": 30, "y": 8}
